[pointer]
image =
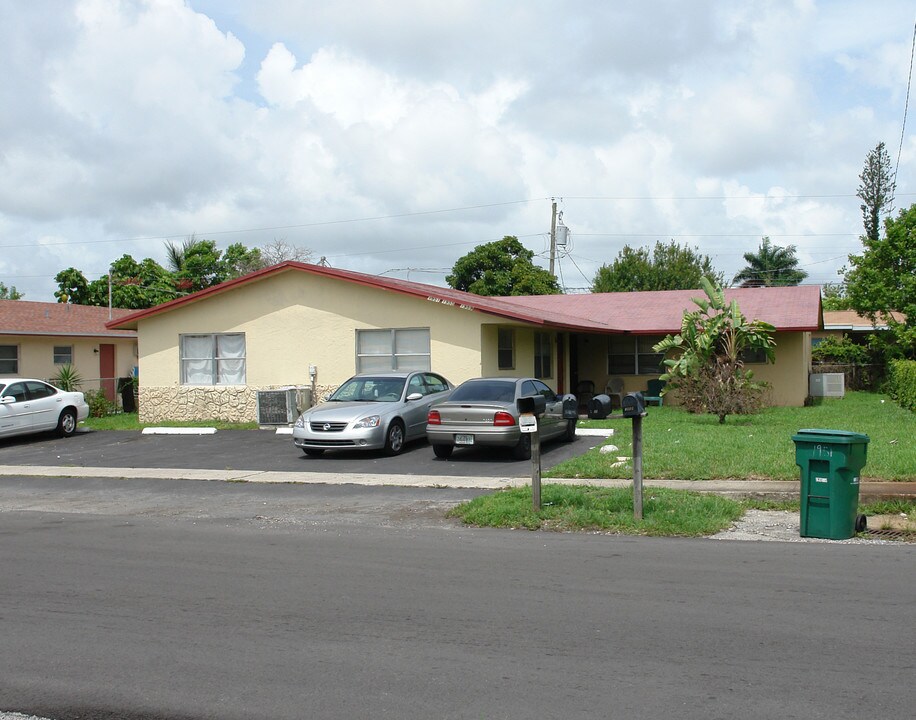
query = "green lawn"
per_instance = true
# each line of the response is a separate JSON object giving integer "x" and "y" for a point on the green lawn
{"x": 678, "y": 445}
{"x": 129, "y": 421}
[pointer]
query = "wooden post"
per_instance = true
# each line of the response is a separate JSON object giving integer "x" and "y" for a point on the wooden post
{"x": 637, "y": 467}
{"x": 536, "y": 471}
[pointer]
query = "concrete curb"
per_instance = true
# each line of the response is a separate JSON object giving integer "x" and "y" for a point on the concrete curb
{"x": 724, "y": 487}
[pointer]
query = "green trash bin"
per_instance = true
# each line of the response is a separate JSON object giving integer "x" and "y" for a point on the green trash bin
{"x": 830, "y": 462}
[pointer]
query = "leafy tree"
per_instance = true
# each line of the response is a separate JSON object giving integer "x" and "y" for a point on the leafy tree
{"x": 237, "y": 260}
{"x": 502, "y": 267}
{"x": 706, "y": 367}
{"x": 876, "y": 190}
{"x": 72, "y": 287}
{"x": 9, "y": 293}
{"x": 771, "y": 265}
{"x": 883, "y": 279}
{"x": 833, "y": 297}
{"x": 670, "y": 267}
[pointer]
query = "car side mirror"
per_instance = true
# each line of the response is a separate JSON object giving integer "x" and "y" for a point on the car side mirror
{"x": 414, "y": 396}
{"x": 7, "y": 399}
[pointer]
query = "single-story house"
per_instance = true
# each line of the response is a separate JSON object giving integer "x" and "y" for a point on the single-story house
{"x": 838, "y": 323}
{"x": 206, "y": 355}
{"x": 37, "y": 338}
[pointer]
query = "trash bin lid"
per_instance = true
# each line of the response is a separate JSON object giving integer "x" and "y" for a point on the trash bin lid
{"x": 838, "y": 437}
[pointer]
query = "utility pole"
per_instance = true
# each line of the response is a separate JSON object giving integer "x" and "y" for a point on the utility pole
{"x": 553, "y": 237}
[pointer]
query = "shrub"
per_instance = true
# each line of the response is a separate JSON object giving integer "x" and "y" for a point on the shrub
{"x": 99, "y": 405}
{"x": 67, "y": 378}
{"x": 840, "y": 351}
{"x": 901, "y": 383}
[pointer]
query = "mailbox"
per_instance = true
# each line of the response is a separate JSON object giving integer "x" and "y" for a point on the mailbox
{"x": 536, "y": 404}
{"x": 599, "y": 407}
{"x": 570, "y": 407}
{"x": 633, "y": 404}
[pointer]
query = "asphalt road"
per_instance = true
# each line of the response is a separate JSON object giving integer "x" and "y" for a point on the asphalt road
{"x": 266, "y": 450}
{"x": 181, "y": 599}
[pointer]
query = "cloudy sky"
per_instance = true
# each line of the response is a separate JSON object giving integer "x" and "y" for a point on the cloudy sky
{"x": 393, "y": 137}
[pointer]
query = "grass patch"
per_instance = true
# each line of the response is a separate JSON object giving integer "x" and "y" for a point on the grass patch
{"x": 566, "y": 508}
{"x": 681, "y": 446}
{"x": 131, "y": 421}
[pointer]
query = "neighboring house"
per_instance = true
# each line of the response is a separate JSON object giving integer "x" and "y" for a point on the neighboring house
{"x": 37, "y": 338}
{"x": 838, "y": 323}
{"x": 206, "y": 355}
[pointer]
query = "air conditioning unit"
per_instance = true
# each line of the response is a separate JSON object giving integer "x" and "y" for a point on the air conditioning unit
{"x": 830, "y": 385}
{"x": 277, "y": 407}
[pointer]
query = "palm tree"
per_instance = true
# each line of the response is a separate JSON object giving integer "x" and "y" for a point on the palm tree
{"x": 771, "y": 265}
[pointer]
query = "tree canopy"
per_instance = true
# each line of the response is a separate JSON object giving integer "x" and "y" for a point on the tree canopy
{"x": 9, "y": 293}
{"x": 876, "y": 190}
{"x": 501, "y": 268}
{"x": 669, "y": 267}
{"x": 883, "y": 279}
{"x": 771, "y": 265}
{"x": 194, "y": 264}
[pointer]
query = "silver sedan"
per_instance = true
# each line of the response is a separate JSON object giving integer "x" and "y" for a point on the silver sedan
{"x": 28, "y": 406}
{"x": 484, "y": 411}
{"x": 372, "y": 411}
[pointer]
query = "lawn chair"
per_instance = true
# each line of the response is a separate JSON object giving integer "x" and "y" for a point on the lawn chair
{"x": 653, "y": 393}
{"x": 615, "y": 390}
{"x": 585, "y": 391}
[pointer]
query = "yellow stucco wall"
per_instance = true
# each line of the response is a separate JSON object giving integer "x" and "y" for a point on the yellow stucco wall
{"x": 36, "y": 356}
{"x": 293, "y": 320}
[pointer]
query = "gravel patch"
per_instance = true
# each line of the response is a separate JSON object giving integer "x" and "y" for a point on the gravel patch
{"x": 781, "y": 526}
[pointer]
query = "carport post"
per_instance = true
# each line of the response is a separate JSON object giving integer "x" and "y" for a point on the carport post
{"x": 637, "y": 467}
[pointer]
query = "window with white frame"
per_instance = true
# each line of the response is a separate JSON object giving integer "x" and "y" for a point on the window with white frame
{"x": 633, "y": 355}
{"x": 505, "y": 349}
{"x": 9, "y": 359}
{"x": 543, "y": 355}
{"x": 392, "y": 349}
{"x": 63, "y": 354}
{"x": 217, "y": 359}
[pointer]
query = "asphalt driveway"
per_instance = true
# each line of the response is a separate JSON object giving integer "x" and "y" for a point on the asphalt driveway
{"x": 265, "y": 450}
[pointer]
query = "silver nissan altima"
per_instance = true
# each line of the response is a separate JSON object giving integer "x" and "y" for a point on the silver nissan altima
{"x": 372, "y": 411}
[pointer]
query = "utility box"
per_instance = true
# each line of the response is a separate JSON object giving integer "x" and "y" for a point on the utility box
{"x": 830, "y": 462}
{"x": 830, "y": 385}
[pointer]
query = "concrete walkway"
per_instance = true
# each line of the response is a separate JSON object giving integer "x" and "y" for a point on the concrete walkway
{"x": 724, "y": 487}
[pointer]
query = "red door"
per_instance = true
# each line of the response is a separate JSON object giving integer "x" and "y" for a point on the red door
{"x": 107, "y": 370}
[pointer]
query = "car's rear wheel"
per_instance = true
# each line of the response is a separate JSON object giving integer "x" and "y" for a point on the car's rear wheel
{"x": 394, "y": 438}
{"x": 66, "y": 423}
{"x": 522, "y": 450}
{"x": 443, "y": 451}
{"x": 313, "y": 452}
{"x": 570, "y": 434}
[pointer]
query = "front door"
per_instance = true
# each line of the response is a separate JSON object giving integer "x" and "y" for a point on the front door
{"x": 107, "y": 370}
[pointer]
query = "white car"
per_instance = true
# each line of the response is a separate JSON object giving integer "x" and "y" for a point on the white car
{"x": 28, "y": 406}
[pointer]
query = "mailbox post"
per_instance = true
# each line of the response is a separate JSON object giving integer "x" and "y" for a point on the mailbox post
{"x": 634, "y": 406}
{"x": 529, "y": 409}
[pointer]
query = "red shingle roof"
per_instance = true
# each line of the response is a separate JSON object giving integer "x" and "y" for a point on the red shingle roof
{"x": 787, "y": 308}
{"x": 22, "y": 317}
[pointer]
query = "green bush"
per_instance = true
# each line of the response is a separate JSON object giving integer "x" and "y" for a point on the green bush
{"x": 99, "y": 405}
{"x": 67, "y": 378}
{"x": 901, "y": 383}
{"x": 840, "y": 351}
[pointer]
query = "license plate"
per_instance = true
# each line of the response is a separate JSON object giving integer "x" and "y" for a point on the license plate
{"x": 464, "y": 439}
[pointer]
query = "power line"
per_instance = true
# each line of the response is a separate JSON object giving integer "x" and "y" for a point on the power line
{"x": 906, "y": 106}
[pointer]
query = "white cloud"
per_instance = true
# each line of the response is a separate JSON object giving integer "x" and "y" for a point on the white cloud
{"x": 122, "y": 119}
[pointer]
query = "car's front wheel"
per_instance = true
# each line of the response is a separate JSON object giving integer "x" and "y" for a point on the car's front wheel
{"x": 443, "y": 451}
{"x": 66, "y": 423}
{"x": 394, "y": 438}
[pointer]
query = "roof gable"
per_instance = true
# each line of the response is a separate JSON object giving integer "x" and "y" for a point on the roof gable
{"x": 787, "y": 308}
{"x": 24, "y": 317}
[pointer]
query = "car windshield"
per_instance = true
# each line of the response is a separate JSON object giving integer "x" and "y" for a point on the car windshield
{"x": 485, "y": 390}
{"x": 369, "y": 389}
